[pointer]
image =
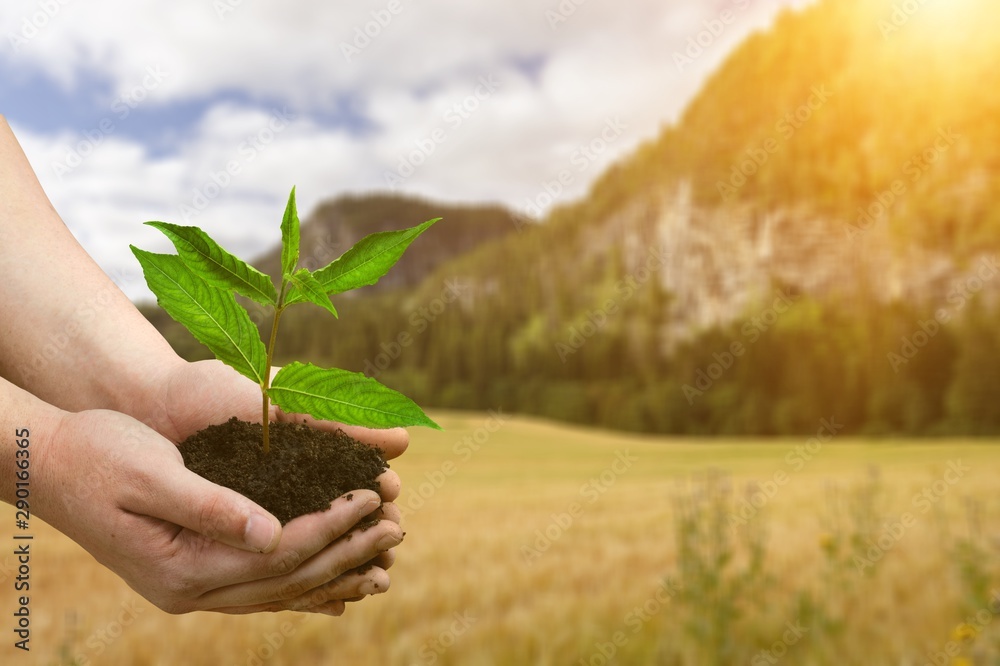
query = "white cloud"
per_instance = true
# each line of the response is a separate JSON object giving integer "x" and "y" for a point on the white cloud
{"x": 605, "y": 61}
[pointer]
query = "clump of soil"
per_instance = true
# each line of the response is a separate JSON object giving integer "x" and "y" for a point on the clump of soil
{"x": 305, "y": 470}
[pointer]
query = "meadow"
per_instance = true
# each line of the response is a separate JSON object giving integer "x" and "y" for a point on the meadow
{"x": 535, "y": 543}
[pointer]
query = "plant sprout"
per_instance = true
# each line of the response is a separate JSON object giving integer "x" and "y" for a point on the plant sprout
{"x": 197, "y": 288}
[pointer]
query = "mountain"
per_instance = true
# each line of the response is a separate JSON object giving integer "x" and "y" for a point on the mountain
{"x": 335, "y": 226}
{"x": 813, "y": 239}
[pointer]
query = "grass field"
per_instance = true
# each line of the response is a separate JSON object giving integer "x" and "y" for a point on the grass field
{"x": 533, "y": 543}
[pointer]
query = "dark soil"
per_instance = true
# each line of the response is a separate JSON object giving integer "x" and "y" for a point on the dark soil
{"x": 305, "y": 470}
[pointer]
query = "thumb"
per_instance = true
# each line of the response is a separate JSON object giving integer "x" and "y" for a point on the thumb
{"x": 218, "y": 513}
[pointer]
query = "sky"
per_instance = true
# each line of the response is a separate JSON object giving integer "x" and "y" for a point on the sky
{"x": 207, "y": 113}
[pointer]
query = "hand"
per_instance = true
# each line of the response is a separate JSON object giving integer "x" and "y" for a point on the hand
{"x": 195, "y": 395}
{"x": 121, "y": 491}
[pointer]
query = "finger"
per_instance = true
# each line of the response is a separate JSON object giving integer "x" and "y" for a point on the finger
{"x": 332, "y": 608}
{"x": 392, "y": 442}
{"x": 345, "y": 554}
{"x": 186, "y": 499}
{"x": 349, "y": 586}
{"x": 389, "y": 485}
{"x": 306, "y": 536}
{"x": 219, "y": 566}
{"x": 391, "y": 512}
{"x": 385, "y": 560}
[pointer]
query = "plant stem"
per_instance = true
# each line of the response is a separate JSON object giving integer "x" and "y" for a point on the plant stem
{"x": 266, "y": 384}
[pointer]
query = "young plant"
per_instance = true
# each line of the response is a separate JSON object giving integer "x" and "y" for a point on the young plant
{"x": 197, "y": 287}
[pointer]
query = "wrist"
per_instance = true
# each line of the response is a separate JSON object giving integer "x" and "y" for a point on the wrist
{"x": 145, "y": 391}
{"x": 28, "y": 427}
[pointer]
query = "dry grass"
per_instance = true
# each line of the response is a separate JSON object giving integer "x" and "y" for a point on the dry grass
{"x": 465, "y": 556}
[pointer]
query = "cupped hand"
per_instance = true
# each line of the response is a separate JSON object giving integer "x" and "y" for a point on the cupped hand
{"x": 121, "y": 491}
{"x": 196, "y": 395}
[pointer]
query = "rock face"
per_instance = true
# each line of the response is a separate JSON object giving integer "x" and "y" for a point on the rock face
{"x": 722, "y": 263}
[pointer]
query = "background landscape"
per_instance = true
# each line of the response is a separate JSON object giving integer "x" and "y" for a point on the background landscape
{"x": 839, "y": 168}
{"x": 723, "y": 395}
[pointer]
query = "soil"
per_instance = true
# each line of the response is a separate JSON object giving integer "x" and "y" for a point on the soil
{"x": 305, "y": 470}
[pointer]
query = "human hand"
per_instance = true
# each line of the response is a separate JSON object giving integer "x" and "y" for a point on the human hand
{"x": 196, "y": 395}
{"x": 122, "y": 492}
{"x": 193, "y": 396}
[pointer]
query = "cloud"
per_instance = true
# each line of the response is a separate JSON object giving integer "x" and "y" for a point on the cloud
{"x": 454, "y": 100}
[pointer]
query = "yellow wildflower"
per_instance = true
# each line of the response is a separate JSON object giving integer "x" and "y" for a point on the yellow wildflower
{"x": 964, "y": 632}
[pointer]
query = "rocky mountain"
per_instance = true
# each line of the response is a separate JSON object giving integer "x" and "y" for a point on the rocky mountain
{"x": 815, "y": 236}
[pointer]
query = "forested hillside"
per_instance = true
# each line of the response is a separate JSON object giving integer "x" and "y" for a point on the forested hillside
{"x": 813, "y": 239}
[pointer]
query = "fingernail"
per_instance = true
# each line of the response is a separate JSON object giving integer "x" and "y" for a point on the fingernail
{"x": 259, "y": 533}
{"x": 372, "y": 502}
{"x": 387, "y": 542}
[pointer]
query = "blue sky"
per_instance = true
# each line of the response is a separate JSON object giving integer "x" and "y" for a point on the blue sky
{"x": 208, "y": 112}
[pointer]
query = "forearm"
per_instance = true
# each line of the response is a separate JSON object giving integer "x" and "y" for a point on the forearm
{"x": 67, "y": 333}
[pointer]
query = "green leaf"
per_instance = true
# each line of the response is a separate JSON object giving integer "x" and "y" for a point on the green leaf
{"x": 310, "y": 290}
{"x": 348, "y": 397}
{"x": 216, "y": 266}
{"x": 290, "y": 237}
{"x": 213, "y": 316}
{"x": 372, "y": 257}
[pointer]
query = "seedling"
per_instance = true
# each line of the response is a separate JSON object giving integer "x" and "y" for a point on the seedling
{"x": 197, "y": 287}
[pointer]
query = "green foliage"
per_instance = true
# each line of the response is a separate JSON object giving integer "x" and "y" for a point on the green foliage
{"x": 196, "y": 288}
{"x": 211, "y": 314}
{"x": 216, "y": 266}
{"x": 290, "y": 237}
{"x": 347, "y": 397}
{"x": 366, "y": 263}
